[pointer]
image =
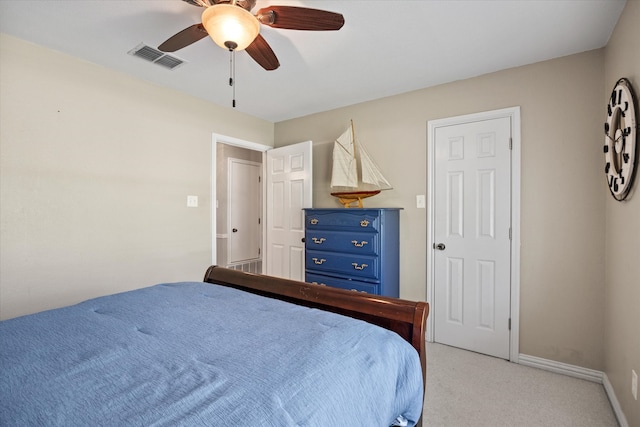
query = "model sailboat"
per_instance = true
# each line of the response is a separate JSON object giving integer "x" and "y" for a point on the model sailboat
{"x": 354, "y": 176}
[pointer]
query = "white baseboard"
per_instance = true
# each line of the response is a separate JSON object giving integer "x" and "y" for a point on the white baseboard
{"x": 608, "y": 388}
{"x": 561, "y": 368}
{"x": 578, "y": 372}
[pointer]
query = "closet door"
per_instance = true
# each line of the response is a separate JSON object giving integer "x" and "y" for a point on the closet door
{"x": 244, "y": 210}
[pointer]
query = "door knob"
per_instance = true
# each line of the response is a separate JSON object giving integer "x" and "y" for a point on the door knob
{"x": 439, "y": 246}
{"x": 235, "y": 230}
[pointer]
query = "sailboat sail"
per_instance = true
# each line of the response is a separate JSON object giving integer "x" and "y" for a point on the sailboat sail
{"x": 344, "y": 173}
{"x": 354, "y": 175}
{"x": 370, "y": 172}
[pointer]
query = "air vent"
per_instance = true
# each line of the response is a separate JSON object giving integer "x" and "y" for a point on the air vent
{"x": 156, "y": 56}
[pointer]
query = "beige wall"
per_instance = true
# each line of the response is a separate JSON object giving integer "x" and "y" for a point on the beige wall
{"x": 96, "y": 167}
{"x": 622, "y": 245}
{"x": 563, "y": 191}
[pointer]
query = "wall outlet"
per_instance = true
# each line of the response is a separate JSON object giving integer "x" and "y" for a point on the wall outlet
{"x": 420, "y": 201}
{"x": 634, "y": 384}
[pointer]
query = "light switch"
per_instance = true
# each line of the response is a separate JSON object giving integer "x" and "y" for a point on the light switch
{"x": 192, "y": 201}
{"x": 421, "y": 201}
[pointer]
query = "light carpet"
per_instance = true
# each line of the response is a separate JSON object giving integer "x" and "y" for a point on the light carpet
{"x": 471, "y": 389}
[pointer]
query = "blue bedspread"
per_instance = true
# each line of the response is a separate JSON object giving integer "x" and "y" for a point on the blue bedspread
{"x": 199, "y": 354}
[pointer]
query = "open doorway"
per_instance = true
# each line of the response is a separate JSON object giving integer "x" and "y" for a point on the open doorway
{"x": 285, "y": 192}
{"x": 239, "y": 219}
{"x": 237, "y": 204}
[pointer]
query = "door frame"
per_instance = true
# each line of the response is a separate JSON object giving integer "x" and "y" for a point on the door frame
{"x": 229, "y": 140}
{"x": 513, "y": 113}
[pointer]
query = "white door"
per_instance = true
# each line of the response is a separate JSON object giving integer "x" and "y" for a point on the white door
{"x": 245, "y": 206}
{"x": 288, "y": 179}
{"x": 471, "y": 238}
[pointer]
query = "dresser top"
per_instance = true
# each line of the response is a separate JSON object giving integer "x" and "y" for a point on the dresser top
{"x": 352, "y": 209}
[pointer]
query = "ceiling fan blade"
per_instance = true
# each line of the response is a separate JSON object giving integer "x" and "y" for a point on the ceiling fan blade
{"x": 300, "y": 18}
{"x": 184, "y": 38}
{"x": 199, "y": 3}
{"x": 262, "y": 53}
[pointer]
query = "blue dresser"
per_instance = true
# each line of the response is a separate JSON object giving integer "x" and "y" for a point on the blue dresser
{"x": 354, "y": 249}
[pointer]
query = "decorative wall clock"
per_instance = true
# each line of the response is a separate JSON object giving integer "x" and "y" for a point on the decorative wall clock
{"x": 620, "y": 142}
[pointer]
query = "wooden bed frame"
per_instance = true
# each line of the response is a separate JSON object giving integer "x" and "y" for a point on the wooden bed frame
{"x": 406, "y": 318}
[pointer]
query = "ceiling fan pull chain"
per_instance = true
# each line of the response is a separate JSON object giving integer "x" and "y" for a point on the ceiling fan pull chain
{"x": 232, "y": 74}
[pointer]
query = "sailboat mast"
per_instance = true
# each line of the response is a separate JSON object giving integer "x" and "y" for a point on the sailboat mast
{"x": 353, "y": 138}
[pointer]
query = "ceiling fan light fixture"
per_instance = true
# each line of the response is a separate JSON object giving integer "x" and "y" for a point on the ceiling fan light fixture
{"x": 229, "y": 25}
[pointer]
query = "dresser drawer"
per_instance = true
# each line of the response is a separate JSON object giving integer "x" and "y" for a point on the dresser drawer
{"x": 342, "y": 241}
{"x": 356, "y": 219}
{"x": 350, "y": 285}
{"x": 358, "y": 266}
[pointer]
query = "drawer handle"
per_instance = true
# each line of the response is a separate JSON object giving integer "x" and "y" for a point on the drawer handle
{"x": 313, "y": 221}
{"x": 358, "y": 245}
{"x": 364, "y": 223}
{"x": 359, "y": 267}
{"x": 318, "y": 261}
{"x": 318, "y": 241}
{"x": 355, "y": 290}
{"x": 319, "y": 284}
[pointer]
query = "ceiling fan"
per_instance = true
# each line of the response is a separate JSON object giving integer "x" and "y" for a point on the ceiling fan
{"x": 232, "y": 26}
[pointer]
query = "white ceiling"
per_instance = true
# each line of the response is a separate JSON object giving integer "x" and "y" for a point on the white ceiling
{"x": 386, "y": 47}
